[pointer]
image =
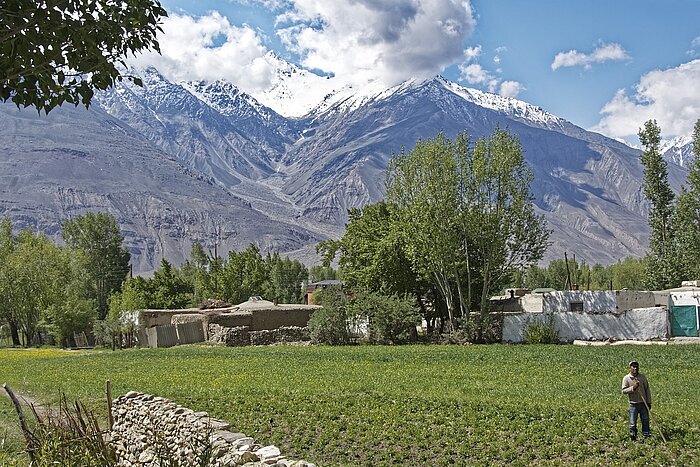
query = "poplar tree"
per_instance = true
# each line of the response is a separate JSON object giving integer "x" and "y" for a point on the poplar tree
{"x": 661, "y": 268}
{"x": 97, "y": 236}
{"x": 687, "y": 216}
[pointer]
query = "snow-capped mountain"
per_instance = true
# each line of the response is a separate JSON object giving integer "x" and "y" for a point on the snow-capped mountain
{"x": 678, "y": 150}
{"x": 304, "y": 172}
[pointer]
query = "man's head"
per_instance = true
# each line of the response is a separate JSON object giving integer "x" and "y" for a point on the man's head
{"x": 634, "y": 367}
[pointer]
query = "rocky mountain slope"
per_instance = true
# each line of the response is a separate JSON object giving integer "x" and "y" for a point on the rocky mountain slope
{"x": 72, "y": 161}
{"x": 282, "y": 181}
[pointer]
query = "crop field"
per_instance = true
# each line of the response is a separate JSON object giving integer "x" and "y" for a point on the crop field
{"x": 398, "y": 405}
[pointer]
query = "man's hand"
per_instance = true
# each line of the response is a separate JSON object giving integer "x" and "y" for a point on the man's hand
{"x": 635, "y": 385}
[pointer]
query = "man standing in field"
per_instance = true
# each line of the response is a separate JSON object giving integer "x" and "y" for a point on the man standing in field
{"x": 636, "y": 386}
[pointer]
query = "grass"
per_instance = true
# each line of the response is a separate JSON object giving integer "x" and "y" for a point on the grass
{"x": 404, "y": 405}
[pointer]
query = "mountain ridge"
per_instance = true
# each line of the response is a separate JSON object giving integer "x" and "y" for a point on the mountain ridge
{"x": 298, "y": 176}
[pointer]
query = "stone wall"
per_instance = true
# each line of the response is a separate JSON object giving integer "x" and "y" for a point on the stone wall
{"x": 152, "y": 431}
{"x": 242, "y": 335}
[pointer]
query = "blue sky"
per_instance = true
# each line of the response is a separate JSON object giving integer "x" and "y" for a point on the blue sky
{"x": 603, "y": 65}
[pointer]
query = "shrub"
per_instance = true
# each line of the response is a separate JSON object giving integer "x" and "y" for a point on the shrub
{"x": 481, "y": 329}
{"x": 541, "y": 332}
{"x": 329, "y": 325}
{"x": 391, "y": 319}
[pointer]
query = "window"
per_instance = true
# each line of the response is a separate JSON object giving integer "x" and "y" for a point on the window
{"x": 575, "y": 306}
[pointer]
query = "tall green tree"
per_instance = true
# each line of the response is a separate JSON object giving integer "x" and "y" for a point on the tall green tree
{"x": 371, "y": 253}
{"x": 423, "y": 184}
{"x": 8, "y": 314}
{"x": 661, "y": 270}
{"x": 98, "y": 237}
{"x": 56, "y": 51}
{"x": 686, "y": 220}
{"x": 500, "y": 217}
{"x": 285, "y": 281}
{"x": 467, "y": 215}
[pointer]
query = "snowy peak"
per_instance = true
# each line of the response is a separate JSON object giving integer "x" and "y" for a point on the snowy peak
{"x": 229, "y": 100}
{"x": 512, "y": 107}
{"x": 678, "y": 150}
{"x": 294, "y": 91}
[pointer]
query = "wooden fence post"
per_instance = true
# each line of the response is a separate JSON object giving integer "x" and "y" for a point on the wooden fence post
{"x": 28, "y": 437}
{"x": 108, "y": 392}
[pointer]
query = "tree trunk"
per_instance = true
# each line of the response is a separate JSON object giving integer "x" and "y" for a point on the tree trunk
{"x": 14, "y": 331}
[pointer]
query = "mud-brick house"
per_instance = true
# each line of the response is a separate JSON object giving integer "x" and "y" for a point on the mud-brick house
{"x": 166, "y": 328}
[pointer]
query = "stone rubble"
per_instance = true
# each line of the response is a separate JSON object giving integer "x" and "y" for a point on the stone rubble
{"x": 151, "y": 431}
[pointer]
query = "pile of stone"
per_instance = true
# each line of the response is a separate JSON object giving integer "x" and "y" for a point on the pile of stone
{"x": 152, "y": 431}
{"x": 242, "y": 335}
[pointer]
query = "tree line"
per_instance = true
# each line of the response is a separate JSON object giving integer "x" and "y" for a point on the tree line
{"x": 48, "y": 290}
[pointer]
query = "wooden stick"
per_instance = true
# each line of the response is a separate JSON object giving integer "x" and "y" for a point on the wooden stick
{"x": 108, "y": 392}
{"x": 22, "y": 422}
{"x": 649, "y": 412}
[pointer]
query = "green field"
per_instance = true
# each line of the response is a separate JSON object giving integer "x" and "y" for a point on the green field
{"x": 403, "y": 405}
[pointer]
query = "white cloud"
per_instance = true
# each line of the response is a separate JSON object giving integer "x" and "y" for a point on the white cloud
{"x": 210, "y": 48}
{"x": 671, "y": 97}
{"x": 474, "y": 74}
{"x": 472, "y": 53}
{"x": 499, "y": 51}
{"x": 694, "y": 47}
{"x": 511, "y": 89}
{"x": 603, "y": 53}
{"x": 384, "y": 40}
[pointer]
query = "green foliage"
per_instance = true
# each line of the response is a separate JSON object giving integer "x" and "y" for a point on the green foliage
{"x": 319, "y": 273}
{"x": 372, "y": 252}
{"x": 539, "y": 331}
{"x": 686, "y": 220}
{"x": 329, "y": 325}
{"x": 390, "y": 319}
{"x": 69, "y": 317}
{"x": 58, "y": 51}
{"x": 97, "y": 236}
{"x": 423, "y": 404}
{"x": 41, "y": 284}
{"x": 628, "y": 273}
{"x": 662, "y": 272}
{"x": 465, "y": 216}
{"x": 285, "y": 280}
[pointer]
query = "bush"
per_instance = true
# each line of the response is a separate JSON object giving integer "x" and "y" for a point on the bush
{"x": 481, "y": 329}
{"x": 541, "y": 332}
{"x": 329, "y": 325}
{"x": 391, "y": 319}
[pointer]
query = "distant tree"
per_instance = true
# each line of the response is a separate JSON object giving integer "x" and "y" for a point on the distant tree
{"x": 57, "y": 51}
{"x": 285, "y": 279}
{"x": 630, "y": 273}
{"x": 661, "y": 270}
{"x": 319, "y": 273}
{"x": 167, "y": 289}
{"x": 8, "y": 244}
{"x": 243, "y": 275}
{"x": 97, "y": 235}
